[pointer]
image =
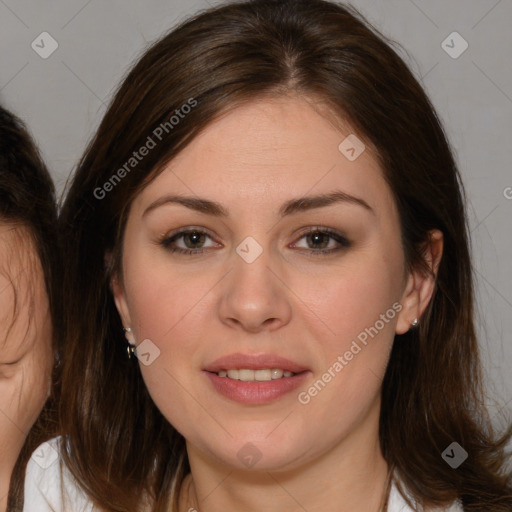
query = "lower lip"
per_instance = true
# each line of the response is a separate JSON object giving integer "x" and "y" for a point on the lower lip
{"x": 256, "y": 393}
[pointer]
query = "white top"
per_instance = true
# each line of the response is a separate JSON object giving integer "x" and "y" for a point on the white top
{"x": 49, "y": 486}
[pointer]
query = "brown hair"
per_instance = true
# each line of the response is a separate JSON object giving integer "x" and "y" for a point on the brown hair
{"x": 119, "y": 444}
{"x": 27, "y": 200}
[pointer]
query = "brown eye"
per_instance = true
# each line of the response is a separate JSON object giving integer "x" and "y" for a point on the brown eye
{"x": 318, "y": 239}
{"x": 323, "y": 241}
{"x": 188, "y": 241}
{"x": 193, "y": 239}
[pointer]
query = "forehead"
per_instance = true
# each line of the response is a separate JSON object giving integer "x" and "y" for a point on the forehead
{"x": 269, "y": 147}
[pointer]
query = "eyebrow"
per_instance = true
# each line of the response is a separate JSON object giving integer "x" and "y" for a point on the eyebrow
{"x": 288, "y": 208}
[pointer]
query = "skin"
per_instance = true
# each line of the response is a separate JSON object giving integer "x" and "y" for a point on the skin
{"x": 308, "y": 308}
{"x": 25, "y": 346}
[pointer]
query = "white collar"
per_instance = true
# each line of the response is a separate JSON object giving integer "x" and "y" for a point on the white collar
{"x": 397, "y": 503}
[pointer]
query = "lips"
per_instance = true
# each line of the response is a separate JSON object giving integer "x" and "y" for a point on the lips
{"x": 253, "y": 362}
{"x": 255, "y": 392}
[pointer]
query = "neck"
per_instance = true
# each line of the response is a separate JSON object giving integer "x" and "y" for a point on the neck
{"x": 352, "y": 475}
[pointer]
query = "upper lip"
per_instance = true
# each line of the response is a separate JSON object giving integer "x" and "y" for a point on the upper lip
{"x": 253, "y": 362}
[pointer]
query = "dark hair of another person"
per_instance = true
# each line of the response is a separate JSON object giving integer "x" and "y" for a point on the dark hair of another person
{"x": 27, "y": 199}
{"x": 120, "y": 447}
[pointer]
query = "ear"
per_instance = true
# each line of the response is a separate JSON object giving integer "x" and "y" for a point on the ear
{"x": 120, "y": 300}
{"x": 118, "y": 292}
{"x": 420, "y": 287}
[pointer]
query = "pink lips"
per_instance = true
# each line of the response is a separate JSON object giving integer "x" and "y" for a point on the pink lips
{"x": 255, "y": 393}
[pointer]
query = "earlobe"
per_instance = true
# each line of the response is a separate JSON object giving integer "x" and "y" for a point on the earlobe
{"x": 410, "y": 301}
{"x": 420, "y": 285}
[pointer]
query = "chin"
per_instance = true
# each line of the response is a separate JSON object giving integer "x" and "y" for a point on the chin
{"x": 271, "y": 451}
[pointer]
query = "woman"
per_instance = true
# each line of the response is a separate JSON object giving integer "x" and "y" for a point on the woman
{"x": 28, "y": 266}
{"x": 271, "y": 216}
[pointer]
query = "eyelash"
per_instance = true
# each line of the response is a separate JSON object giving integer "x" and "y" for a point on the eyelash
{"x": 344, "y": 243}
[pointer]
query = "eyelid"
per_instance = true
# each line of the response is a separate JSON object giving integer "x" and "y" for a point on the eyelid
{"x": 322, "y": 229}
{"x": 10, "y": 363}
{"x": 185, "y": 230}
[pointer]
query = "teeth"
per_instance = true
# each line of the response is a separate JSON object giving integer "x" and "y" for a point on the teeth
{"x": 276, "y": 373}
{"x": 245, "y": 375}
{"x": 262, "y": 375}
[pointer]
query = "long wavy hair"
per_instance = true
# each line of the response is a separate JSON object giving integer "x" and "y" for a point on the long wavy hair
{"x": 27, "y": 200}
{"x": 119, "y": 446}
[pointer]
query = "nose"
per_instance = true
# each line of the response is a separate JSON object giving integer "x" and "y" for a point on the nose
{"x": 254, "y": 296}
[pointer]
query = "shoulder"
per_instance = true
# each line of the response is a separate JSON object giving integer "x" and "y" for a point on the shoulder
{"x": 49, "y": 485}
{"x": 398, "y": 504}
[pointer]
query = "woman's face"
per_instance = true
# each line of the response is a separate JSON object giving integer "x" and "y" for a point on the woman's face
{"x": 292, "y": 262}
{"x": 25, "y": 341}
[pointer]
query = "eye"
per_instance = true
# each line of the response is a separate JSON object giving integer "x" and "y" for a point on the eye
{"x": 8, "y": 369}
{"x": 186, "y": 241}
{"x": 323, "y": 241}
{"x": 320, "y": 241}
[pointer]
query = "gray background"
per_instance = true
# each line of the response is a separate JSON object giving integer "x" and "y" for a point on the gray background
{"x": 63, "y": 97}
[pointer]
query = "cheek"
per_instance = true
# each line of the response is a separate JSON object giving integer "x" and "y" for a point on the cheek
{"x": 7, "y": 299}
{"x": 22, "y": 398}
{"x": 166, "y": 295}
{"x": 360, "y": 309}
{"x": 161, "y": 300}
{"x": 353, "y": 299}
{"x": 23, "y": 394}
{"x": 26, "y": 385}
{"x": 167, "y": 308}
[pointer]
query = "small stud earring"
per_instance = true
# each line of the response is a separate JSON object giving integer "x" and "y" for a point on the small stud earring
{"x": 415, "y": 323}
